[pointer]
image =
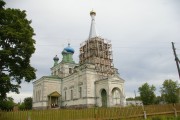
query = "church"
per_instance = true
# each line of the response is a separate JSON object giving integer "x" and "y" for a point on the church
{"x": 93, "y": 82}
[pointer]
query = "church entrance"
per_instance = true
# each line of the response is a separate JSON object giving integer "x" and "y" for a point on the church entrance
{"x": 53, "y": 100}
{"x": 104, "y": 98}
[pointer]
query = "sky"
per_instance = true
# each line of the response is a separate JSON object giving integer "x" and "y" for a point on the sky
{"x": 141, "y": 32}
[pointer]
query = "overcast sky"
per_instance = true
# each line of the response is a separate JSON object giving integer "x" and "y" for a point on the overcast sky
{"x": 141, "y": 32}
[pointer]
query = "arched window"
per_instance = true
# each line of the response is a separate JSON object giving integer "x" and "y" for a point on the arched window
{"x": 104, "y": 98}
{"x": 116, "y": 96}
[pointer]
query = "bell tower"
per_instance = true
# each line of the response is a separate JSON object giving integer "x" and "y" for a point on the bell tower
{"x": 97, "y": 51}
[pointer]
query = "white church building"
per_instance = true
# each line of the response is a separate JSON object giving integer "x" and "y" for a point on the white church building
{"x": 93, "y": 82}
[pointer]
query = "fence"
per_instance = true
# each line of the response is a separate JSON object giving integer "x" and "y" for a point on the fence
{"x": 137, "y": 112}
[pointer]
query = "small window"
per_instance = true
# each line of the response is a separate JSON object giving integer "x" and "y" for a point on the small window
{"x": 70, "y": 70}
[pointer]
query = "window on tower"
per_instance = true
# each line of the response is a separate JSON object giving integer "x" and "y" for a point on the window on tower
{"x": 70, "y": 70}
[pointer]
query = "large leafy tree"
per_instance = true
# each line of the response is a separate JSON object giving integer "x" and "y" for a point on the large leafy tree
{"x": 169, "y": 91}
{"x": 16, "y": 48}
{"x": 27, "y": 104}
{"x": 147, "y": 94}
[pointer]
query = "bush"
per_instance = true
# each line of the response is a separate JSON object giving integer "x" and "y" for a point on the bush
{"x": 22, "y": 106}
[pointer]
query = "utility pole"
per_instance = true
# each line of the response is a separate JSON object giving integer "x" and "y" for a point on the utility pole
{"x": 176, "y": 58}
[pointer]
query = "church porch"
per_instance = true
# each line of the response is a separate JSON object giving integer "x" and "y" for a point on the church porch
{"x": 54, "y": 100}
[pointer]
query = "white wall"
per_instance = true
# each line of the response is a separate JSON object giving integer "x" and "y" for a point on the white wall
{"x": 46, "y": 85}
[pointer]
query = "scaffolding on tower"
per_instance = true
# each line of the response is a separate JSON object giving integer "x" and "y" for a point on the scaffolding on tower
{"x": 98, "y": 51}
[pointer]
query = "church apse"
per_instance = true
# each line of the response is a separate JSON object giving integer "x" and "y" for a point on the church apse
{"x": 97, "y": 51}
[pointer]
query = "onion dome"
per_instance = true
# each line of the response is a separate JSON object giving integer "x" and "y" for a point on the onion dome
{"x": 69, "y": 49}
{"x": 56, "y": 58}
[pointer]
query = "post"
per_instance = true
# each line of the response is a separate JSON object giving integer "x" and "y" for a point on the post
{"x": 96, "y": 113}
{"x": 175, "y": 112}
{"x": 29, "y": 115}
{"x": 176, "y": 58}
{"x": 50, "y": 101}
{"x": 145, "y": 116}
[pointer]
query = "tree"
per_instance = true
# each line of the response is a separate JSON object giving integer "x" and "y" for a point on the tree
{"x": 16, "y": 48}
{"x": 28, "y": 103}
{"x": 129, "y": 99}
{"x": 21, "y": 106}
{"x": 7, "y": 104}
{"x": 147, "y": 94}
{"x": 169, "y": 91}
{"x": 158, "y": 99}
{"x": 136, "y": 98}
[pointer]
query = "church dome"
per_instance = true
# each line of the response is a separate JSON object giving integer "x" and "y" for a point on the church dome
{"x": 56, "y": 58}
{"x": 69, "y": 49}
